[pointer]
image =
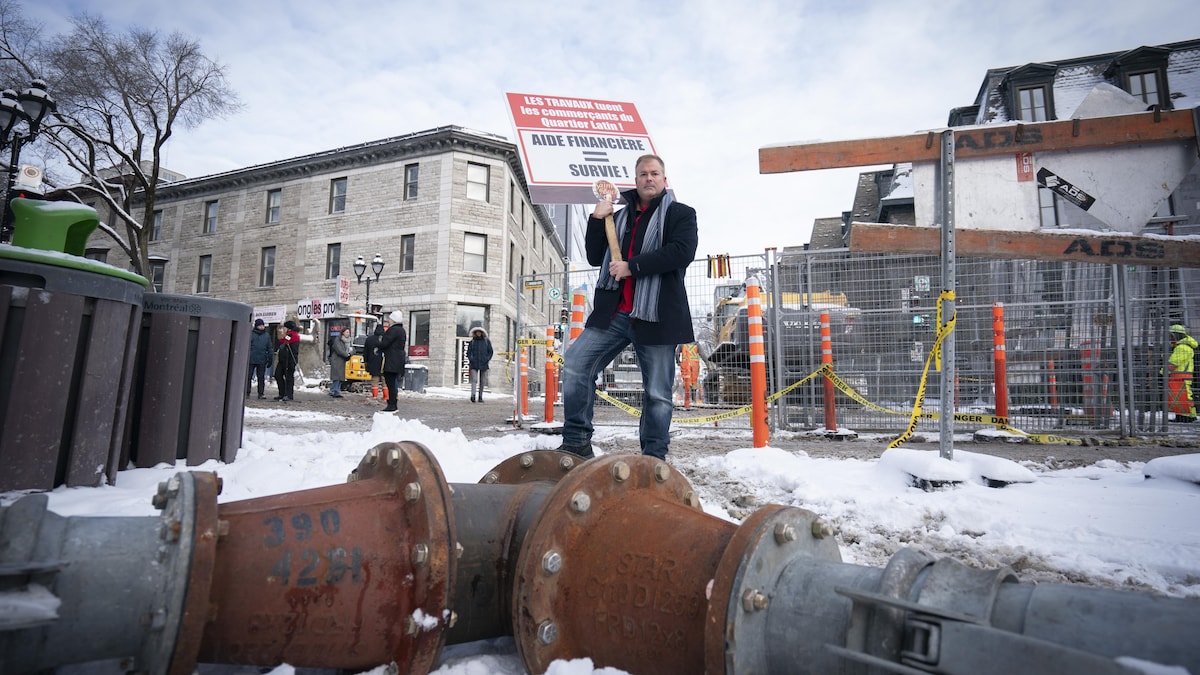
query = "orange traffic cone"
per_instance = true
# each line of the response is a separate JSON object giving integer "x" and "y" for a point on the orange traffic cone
{"x": 385, "y": 393}
{"x": 374, "y": 391}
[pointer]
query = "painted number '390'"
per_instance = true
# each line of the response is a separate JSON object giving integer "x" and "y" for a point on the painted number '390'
{"x": 309, "y": 565}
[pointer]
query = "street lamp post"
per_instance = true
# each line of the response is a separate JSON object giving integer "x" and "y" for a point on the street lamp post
{"x": 360, "y": 268}
{"x": 31, "y": 106}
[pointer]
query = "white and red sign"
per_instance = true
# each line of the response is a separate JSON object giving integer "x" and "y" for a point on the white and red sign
{"x": 568, "y": 143}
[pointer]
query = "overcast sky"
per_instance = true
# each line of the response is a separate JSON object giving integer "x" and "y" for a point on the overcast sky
{"x": 713, "y": 81}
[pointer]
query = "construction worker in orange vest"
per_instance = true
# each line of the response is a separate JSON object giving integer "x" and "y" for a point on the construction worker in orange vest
{"x": 1179, "y": 380}
{"x": 689, "y": 371}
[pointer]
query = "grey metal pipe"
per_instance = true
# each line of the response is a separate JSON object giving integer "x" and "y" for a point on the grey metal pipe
{"x": 815, "y": 614}
{"x": 119, "y": 584}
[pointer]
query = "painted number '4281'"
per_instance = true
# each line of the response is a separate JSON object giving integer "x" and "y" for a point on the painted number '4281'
{"x": 308, "y": 563}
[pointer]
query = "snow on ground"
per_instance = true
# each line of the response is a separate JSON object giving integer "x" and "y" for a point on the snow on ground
{"x": 1112, "y": 524}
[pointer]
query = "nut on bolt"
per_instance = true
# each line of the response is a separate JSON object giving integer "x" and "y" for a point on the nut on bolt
{"x": 755, "y": 600}
{"x": 491, "y": 478}
{"x": 552, "y": 562}
{"x": 412, "y": 492}
{"x": 620, "y": 472}
{"x": 420, "y": 554}
{"x": 581, "y": 502}
{"x": 662, "y": 472}
{"x": 784, "y": 532}
{"x": 526, "y": 460}
{"x": 394, "y": 458}
{"x": 547, "y": 632}
{"x": 566, "y": 463}
{"x": 821, "y": 529}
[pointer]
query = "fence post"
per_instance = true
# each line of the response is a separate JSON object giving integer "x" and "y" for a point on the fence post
{"x": 578, "y": 301}
{"x": 523, "y": 359}
{"x": 827, "y": 360}
{"x": 758, "y": 365}
{"x": 1000, "y": 359}
{"x": 551, "y": 389}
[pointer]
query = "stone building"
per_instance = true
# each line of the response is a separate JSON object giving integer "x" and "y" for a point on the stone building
{"x": 447, "y": 211}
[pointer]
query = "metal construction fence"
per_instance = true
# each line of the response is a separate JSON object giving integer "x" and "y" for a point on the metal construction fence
{"x": 1085, "y": 343}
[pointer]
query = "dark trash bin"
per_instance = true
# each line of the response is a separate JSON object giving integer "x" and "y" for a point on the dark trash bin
{"x": 190, "y": 384}
{"x": 415, "y": 378}
{"x": 68, "y": 335}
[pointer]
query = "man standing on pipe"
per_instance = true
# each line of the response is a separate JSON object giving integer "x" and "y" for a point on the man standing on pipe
{"x": 640, "y": 299}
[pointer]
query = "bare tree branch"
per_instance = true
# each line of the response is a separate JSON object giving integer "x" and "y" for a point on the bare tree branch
{"x": 121, "y": 96}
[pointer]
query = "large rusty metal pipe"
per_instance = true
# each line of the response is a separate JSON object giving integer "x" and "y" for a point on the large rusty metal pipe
{"x": 493, "y": 518}
{"x": 616, "y": 567}
{"x": 346, "y": 576}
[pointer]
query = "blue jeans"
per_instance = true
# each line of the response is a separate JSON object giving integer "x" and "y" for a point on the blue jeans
{"x": 587, "y": 356}
{"x": 335, "y": 387}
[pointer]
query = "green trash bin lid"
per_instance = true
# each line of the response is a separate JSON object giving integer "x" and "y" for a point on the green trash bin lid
{"x": 56, "y": 233}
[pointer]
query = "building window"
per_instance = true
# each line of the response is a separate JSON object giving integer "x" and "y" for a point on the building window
{"x": 1028, "y": 92}
{"x": 512, "y": 258}
{"x": 274, "y": 200}
{"x": 337, "y": 195}
{"x": 477, "y": 182}
{"x": 469, "y": 317}
{"x": 411, "y": 172}
{"x": 1032, "y": 104}
{"x": 512, "y": 198}
{"x": 156, "y": 225}
{"x": 97, "y": 254}
{"x": 418, "y": 335}
{"x": 204, "y": 274}
{"x": 1145, "y": 86}
{"x": 266, "y": 268}
{"x": 475, "y": 252}
{"x": 158, "y": 272}
{"x": 408, "y": 252}
{"x": 1048, "y": 207}
{"x": 333, "y": 261}
{"x": 210, "y": 217}
{"x": 1143, "y": 73}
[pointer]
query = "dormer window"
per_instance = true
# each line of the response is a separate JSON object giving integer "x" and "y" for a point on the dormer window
{"x": 1143, "y": 73}
{"x": 1029, "y": 92}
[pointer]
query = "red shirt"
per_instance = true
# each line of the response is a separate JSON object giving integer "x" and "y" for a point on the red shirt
{"x": 626, "y": 303}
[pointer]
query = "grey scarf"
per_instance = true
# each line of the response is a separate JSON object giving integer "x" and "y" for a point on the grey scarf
{"x": 646, "y": 289}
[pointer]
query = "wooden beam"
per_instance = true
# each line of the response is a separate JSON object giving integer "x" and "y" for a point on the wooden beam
{"x": 983, "y": 141}
{"x": 1074, "y": 246}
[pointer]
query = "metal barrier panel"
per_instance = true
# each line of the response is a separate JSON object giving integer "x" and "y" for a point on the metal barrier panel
{"x": 1085, "y": 342}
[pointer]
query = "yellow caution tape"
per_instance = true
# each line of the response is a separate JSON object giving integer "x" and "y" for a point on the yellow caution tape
{"x": 826, "y": 370}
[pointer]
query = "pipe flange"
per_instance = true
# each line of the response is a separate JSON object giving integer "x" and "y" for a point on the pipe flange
{"x": 188, "y": 530}
{"x": 614, "y": 569}
{"x": 345, "y": 576}
{"x": 742, "y": 589}
{"x": 538, "y": 465}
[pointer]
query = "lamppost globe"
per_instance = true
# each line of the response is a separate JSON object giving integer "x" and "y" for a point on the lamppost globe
{"x": 360, "y": 268}
{"x": 37, "y": 104}
{"x": 31, "y": 106}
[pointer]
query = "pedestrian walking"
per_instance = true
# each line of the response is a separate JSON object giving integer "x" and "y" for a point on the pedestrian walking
{"x": 287, "y": 356}
{"x": 394, "y": 345}
{"x": 260, "y": 357}
{"x": 337, "y": 353}
{"x": 479, "y": 353}
{"x": 639, "y": 299}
